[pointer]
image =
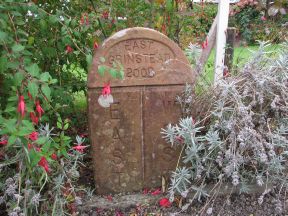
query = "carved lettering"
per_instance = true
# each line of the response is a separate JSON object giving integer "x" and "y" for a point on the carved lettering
{"x": 116, "y": 134}
{"x": 140, "y": 72}
{"x": 117, "y": 157}
{"x": 114, "y": 110}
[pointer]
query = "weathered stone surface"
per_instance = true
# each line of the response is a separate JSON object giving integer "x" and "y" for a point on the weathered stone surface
{"x": 128, "y": 150}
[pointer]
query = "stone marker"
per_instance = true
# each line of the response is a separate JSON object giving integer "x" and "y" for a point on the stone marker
{"x": 128, "y": 151}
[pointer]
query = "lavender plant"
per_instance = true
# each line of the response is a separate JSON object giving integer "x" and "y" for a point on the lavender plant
{"x": 243, "y": 136}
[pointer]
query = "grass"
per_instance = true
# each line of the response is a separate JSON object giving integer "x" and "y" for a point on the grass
{"x": 241, "y": 56}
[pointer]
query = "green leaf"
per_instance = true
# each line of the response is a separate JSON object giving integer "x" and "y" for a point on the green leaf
{"x": 113, "y": 72}
{"x": 121, "y": 74}
{"x": 17, "y": 48}
{"x": 66, "y": 126}
{"x": 13, "y": 65}
{"x": 24, "y": 131}
{"x": 59, "y": 123}
{"x": 33, "y": 70}
{"x": 46, "y": 146}
{"x": 3, "y": 64}
{"x": 11, "y": 140}
{"x": 45, "y": 77}
{"x": 28, "y": 124}
{"x": 42, "y": 140}
{"x": 89, "y": 59}
{"x": 33, "y": 89}
{"x": 53, "y": 19}
{"x": 101, "y": 69}
{"x": 3, "y": 36}
{"x": 34, "y": 157}
{"x": 46, "y": 91}
{"x": 10, "y": 125}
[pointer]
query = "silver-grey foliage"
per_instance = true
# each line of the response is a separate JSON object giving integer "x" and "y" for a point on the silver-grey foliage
{"x": 243, "y": 138}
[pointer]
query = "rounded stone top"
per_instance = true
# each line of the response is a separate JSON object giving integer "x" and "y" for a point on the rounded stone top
{"x": 147, "y": 56}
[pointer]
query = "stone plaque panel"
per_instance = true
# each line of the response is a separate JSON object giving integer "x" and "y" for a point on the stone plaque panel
{"x": 128, "y": 151}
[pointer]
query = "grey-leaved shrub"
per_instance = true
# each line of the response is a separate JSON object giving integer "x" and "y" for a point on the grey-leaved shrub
{"x": 243, "y": 136}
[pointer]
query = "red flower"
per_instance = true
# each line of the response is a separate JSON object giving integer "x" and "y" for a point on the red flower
{"x": 106, "y": 90}
{"x": 29, "y": 146}
{"x": 179, "y": 139}
{"x": 79, "y": 148}
{"x": 119, "y": 213}
{"x": 109, "y": 198}
{"x": 39, "y": 109}
{"x": 145, "y": 191}
{"x": 21, "y": 105}
{"x": 84, "y": 135}
{"x": 34, "y": 118}
{"x": 105, "y": 14}
{"x": 95, "y": 45}
{"x": 33, "y": 136}
{"x": 203, "y": 45}
{"x": 3, "y": 142}
{"x": 164, "y": 202}
{"x": 226, "y": 72}
{"x": 54, "y": 156}
{"x": 156, "y": 192}
{"x": 263, "y": 18}
{"x": 29, "y": 95}
{"x": 163, "y": 29}
{"x": 44, "y": 163}
{"x": 82, "y": 20}
{"x": 69, "y": 49}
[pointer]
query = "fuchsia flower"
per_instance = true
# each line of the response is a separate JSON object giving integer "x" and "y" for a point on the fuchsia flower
{"x": 119, "y": 213}
{"x": 29, "y": 95}
{"x": 54, "y": 156}
{"x": 164, "y": 202}
{"x": 44, "y": 163}
{"x": 39, "y": 109}
{"x": 179, "y": 139}
{"x": 106, "y": 90}
{"x": 33, "y": 136}
{"x": 69, "y": 49}
{"x": 95, "y": 45}
{"x": 21, "y": 105}
{"x": 105, "y": 14}
{"x": 79, "y": 148}
{"x": 109, "y": 198}
{"x": 145, "y": 191}
{"x": 84, "y": 135}
{"x": 84, "y": 19}
{"x": 34, "y": 118}
{"x": 156, "y": 192}
{"x": 4, "y": 142}
{"x": 263, "y": 18}
{"x": 205, "y": 44}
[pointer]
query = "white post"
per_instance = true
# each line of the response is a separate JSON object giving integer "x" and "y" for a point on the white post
{"x": 222, "y": 25}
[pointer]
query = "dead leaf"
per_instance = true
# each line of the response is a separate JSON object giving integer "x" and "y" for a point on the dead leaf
{"x": 163, "y": 184}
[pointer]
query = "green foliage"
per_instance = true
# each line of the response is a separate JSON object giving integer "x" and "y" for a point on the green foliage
{"x": 253, "y": 25}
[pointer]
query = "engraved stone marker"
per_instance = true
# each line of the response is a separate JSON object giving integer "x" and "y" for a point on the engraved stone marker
{"x": 128, "y": 151}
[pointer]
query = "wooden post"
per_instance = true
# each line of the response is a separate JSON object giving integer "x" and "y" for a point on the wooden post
{"x": 211, "y": 38}
{"x": 222, "y": 24}
{"x": 231, "y": 32}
